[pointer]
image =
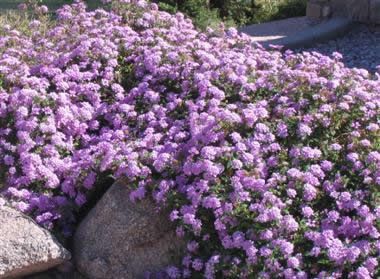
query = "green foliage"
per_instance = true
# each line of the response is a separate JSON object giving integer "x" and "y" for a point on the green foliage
{"x": 241, "y": 12}
{"x": 290, "y": 8}
{"x": 200, "y": 11}
{"x": 234, "y": 12}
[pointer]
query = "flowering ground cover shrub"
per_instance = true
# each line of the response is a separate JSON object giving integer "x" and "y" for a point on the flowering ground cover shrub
{"x": 270, "y": 161}
{"x": 52, "y": 4}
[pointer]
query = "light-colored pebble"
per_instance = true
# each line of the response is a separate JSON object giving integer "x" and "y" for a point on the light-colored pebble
{"x": 360, "y": 47}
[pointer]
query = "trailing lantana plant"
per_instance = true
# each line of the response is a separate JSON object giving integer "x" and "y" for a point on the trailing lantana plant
{"x": 269, "y": 161}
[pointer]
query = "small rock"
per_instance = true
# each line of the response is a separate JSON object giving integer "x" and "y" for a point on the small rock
{"x": 25, "y": 247}
{"x": 55, "y": 274}
{"x": 66, "y": 267}
{"x": 359, "y": 47}
{"x": 358, "y": 10}
{"x": 121, "y": 239}
{"x": 375, "y": 11}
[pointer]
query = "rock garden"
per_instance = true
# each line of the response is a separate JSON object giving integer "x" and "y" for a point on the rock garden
{"x": 134, "y": 144}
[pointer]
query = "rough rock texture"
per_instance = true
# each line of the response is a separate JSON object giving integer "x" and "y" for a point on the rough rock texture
{"x": 374, "y": 13}
{"x": 64, "y": 271}
{"x": 318, "y": 9}
{"x": 26, "y": 248}
{"x": 54, "y": 274}
{"x": 358, "y": 10}
{"x": 339, "y": 7}
{"x": 367, "y": 11}
{"x": 360, "y": 47}
{"x": 121, "y": 239}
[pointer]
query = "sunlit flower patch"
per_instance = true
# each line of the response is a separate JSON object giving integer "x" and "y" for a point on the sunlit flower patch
{"x": 269, "y": 161}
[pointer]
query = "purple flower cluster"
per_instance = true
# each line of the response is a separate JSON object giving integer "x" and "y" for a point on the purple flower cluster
{"x": 270, "y": 161}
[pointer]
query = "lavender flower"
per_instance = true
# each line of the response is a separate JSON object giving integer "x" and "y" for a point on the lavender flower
{"x": 268, "y": 161}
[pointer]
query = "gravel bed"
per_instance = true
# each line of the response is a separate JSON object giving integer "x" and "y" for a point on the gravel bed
{"x": 360, "y": 47}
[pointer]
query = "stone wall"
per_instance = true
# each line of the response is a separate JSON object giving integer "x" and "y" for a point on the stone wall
{"x": 358, "y": 10}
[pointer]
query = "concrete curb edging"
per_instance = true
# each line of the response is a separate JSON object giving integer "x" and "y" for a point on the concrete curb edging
{"x": 310, "y": 35}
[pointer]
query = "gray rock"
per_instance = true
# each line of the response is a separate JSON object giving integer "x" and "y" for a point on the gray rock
{"x": 360, "y": 47}
{"x": 375, "y": 11}
{"x": 25, "y": 247}
{"x": 121, "y": 239}
{"x": 339, "y": 7}
{"x": 55, "y": 274}
{"x": 358, "y": 10}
